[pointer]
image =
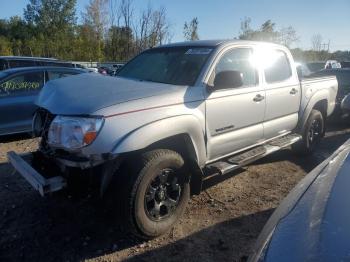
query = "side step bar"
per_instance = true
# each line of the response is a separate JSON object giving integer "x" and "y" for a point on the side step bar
{"x": 38, "y": 182}
{"x": 232, "y": 163}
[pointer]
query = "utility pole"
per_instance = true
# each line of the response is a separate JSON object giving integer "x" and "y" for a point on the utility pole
{"x": 325, "y": 46}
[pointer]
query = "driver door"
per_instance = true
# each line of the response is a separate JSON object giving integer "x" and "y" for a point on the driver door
{"x": 235, "y": 115}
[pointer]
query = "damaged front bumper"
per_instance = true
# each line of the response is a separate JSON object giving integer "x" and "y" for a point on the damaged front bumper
{"x": 43, "y": 185}
{"x": 48, "y": 175}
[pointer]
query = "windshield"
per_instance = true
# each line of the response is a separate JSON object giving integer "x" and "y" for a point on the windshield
{"x": 170, "y": 65}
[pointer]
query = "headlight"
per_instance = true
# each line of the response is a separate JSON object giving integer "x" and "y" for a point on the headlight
{"x": 73, "y": 132}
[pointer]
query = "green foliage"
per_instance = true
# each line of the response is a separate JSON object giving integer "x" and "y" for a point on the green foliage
{"x": 268, "y": 33}
{"x": 110, "y": 32}
{"x": 118, "y": 40}
{"x": 5, "y": 46}
{"x": 310, "y": 55}
{"x": 287, "y": 36}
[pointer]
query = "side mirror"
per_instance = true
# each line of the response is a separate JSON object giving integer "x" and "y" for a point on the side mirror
{"x": 300, "y": 72}
{"x": 228, "y": 79}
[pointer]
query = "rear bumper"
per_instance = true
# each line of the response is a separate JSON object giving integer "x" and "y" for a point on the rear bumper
{"x": 43, "y": 185}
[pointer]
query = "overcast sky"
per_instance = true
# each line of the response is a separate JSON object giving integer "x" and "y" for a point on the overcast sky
{"x": 220, "y": 19}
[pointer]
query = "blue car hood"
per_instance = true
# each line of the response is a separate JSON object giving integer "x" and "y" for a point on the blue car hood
{"x": 85, "y": 94}
{"x": 313, "y": 222}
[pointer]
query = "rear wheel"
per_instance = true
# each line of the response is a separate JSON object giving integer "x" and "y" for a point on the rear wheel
{"x": 312, "y": 133}
{"x": 157, "y": 194}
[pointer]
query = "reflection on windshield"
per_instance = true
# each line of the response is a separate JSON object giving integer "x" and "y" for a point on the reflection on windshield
{"x": 170, "y": 65}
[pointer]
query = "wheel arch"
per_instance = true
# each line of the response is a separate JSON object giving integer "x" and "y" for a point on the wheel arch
{"x": 182, "y": 134}
{"x": 183, "y": 145}
{"x": 321, "y": 105}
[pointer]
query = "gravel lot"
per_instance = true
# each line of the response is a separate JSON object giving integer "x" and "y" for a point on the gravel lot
{"x": 221, "y": 224}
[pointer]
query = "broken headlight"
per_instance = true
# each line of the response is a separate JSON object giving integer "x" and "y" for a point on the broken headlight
{"x": 73, "y": 132}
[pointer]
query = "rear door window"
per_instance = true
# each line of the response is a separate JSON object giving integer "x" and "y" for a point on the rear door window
{"x": 22, "y": 84}
{"x": 61, "y": 64}
{"x": 277, "y": 69}
{"x": 59, "y": 74}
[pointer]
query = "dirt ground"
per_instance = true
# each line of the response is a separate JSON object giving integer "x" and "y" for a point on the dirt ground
{"x": 221, "y": 224}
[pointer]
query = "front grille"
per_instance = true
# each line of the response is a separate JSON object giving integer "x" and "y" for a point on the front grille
{"x": 46, "y": 118}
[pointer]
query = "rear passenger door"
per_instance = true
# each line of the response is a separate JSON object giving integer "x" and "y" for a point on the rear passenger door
{"x": 282, "y": 89}
{"x": 17, "y": 97}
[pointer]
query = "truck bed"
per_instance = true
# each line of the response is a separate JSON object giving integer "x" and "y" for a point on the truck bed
{"x": 312, "y": 85}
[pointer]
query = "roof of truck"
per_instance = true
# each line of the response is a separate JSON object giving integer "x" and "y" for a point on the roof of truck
{"x": 211, "y": 43}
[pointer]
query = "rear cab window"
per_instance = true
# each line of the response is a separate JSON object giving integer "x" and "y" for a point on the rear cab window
{"x": 22, "y": 84}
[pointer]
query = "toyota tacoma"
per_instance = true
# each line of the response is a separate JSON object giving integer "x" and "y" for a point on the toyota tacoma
{"x": 173, "y": 117}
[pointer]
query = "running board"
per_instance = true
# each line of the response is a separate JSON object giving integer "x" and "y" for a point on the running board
{"x": 232, "y": 163}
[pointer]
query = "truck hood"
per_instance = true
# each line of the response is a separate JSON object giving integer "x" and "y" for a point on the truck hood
{"x": 85, "y": 94}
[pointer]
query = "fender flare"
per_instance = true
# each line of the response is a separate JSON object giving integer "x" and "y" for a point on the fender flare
{"x": 153, "y": 132}
{"x": 322, "y": 95}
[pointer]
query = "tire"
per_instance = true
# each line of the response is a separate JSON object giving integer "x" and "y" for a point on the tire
{"x": 157, "y": 193}
{"x": 312, "y": 134}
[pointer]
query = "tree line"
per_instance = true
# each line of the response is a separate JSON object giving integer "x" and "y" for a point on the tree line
{"x": 115, "y": 30}
{"x": 109, "y": 30}
{"x": 287, "y": 36}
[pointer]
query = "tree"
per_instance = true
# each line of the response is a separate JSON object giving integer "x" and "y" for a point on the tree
{"x": 95, "y": 21}
{"x": 114, "y": 12}
{"x": 316, "y": 41}
{"x": 117, "y": 42}
{"x": 152, "y": 29}
{"x": 127, "y": 12}
{"x": 54, "y": 20}
{"x": 109, "y": 30}
{"x": 159, "y": 28}
{"x": 190, "y": 30}
{"x": 288, "y": 36}
{"x": 267, "y": 32}
{"x": 246, "y": 30}
{"x": 5, "y": 46}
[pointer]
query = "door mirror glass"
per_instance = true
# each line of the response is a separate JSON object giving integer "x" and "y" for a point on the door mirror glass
{"x": 228, "y": 79}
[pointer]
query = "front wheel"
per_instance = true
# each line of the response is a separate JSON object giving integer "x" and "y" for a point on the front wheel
{"x": 157, "y": 194}
{"x": 312, "y": 133}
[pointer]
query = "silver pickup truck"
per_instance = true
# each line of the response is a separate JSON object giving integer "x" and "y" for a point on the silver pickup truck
{"x": 175, "y": 116}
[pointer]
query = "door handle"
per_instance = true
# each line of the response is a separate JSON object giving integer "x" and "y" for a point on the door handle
{"x": 293, "y": 91}
{"x": 258, "y": 98}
